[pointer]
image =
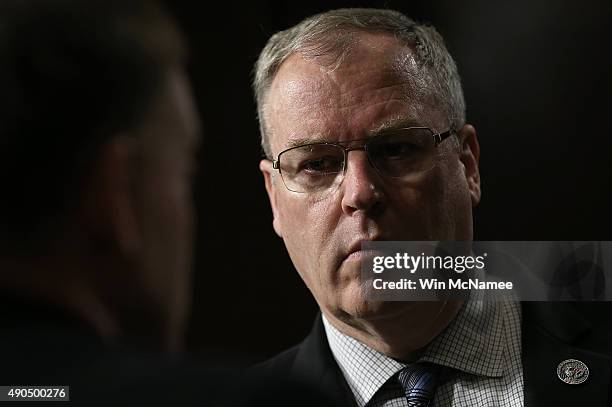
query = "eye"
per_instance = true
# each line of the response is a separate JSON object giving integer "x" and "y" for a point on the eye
{"x": 397, "y": 149}
{"x": 322, "y": 165}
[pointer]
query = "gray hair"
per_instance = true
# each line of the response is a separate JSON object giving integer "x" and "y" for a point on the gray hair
{"x": 330, "y": 35}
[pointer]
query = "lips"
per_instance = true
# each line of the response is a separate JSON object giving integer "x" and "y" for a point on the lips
{"x": 356, "y": 253}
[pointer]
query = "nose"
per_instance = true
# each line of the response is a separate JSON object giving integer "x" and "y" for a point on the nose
{"x": 361, "y": 185}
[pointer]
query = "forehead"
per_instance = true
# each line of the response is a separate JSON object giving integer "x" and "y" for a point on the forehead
{"x": 379, "y": 81}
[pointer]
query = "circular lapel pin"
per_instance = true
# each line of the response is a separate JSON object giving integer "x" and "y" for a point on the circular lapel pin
{"x": 572, "y": 371}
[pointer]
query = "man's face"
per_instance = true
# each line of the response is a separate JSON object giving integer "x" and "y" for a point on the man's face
{"x": 379, "y": 85}
{"x": 167, "y": 160}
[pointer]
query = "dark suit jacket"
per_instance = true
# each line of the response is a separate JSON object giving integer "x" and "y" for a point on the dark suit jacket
{"x": 551, "y": 333}
{"x": 41, "y": 344}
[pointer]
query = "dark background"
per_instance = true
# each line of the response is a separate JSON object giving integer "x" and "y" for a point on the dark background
{"x": 537, "y": 82}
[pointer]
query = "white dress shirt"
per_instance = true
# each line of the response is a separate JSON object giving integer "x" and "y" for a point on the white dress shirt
{"x": 482, "y": 344}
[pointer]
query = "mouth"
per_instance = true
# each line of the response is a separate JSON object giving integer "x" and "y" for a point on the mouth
{"x": 356, "y": 253}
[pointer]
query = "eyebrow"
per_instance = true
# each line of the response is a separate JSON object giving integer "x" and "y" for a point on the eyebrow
{"x": 298, "y": 142}
{"x": 395, "y": 123}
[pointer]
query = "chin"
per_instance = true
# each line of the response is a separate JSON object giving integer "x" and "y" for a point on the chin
{"x": 354, "y": 304}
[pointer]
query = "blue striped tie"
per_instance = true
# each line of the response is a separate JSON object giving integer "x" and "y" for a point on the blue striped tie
{"x": 420, "y": 381}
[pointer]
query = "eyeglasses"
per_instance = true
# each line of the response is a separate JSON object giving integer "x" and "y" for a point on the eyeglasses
{"x": 398, "y": 153}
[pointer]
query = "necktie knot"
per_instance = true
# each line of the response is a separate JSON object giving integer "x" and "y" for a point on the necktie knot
{"x": 420, "y": 381}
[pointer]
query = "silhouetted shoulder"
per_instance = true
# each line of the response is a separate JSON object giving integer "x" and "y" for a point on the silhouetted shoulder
{"x": 279, "y": 364}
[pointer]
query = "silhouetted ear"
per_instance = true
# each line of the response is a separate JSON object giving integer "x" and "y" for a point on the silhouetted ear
{"x": 109, "y": 210}
{"x": 265, "y": 167}
{"x": 470, "y": 157}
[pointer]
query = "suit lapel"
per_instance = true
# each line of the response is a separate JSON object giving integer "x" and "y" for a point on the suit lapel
{"x": 549, "y": 333}
{"x": 316, "y": 362}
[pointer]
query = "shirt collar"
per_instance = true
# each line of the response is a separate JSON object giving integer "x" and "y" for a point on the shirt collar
{"x": 474, "y": 342}
{"x": 364, "y": 368}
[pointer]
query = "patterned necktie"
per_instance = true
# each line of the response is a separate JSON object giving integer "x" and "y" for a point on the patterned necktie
{"x": 420, "y": 381}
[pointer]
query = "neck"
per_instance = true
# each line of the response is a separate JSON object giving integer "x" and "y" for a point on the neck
{"x": 402, "y": 334}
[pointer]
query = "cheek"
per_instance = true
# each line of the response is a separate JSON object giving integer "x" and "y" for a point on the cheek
{"x": 450, "y": 204}
{"x": 170, "y": 224}
{"x": 430, "y": 208}
{"x": 180, "y": 215}
{"x": 308, "y": 227}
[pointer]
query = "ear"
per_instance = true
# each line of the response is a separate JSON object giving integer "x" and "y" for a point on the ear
{"x": 265, "y": 166}
{"x": 110, "y": 210}
{"x": 470, "y": 157}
